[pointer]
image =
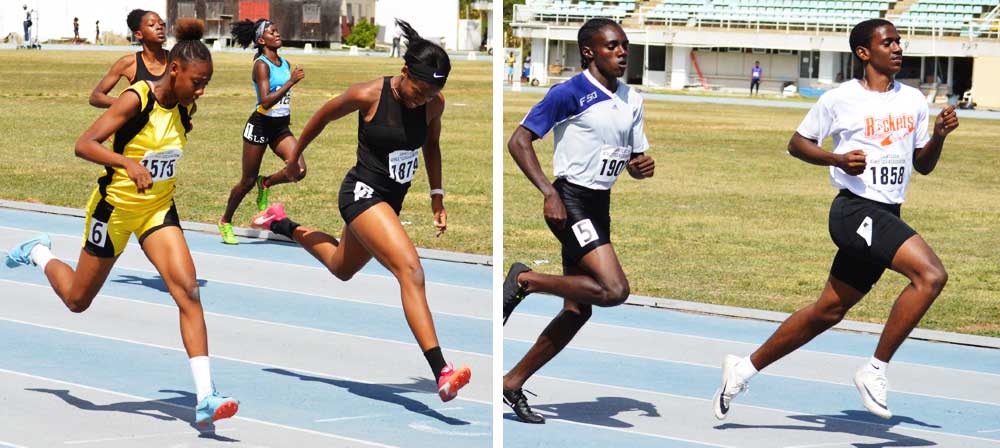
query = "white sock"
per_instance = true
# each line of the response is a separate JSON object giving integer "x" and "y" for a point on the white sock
{"x": 876, "y": 365}
{"x": 41, "y": 255}
{"x": 744, "y": 370}
{"x": 202, "y": 376}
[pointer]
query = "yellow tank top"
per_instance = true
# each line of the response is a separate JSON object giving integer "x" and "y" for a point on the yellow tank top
{"x": 155, "y": 138}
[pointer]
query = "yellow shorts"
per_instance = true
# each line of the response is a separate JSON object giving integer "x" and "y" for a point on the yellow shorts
{"x": 107, "y": 229}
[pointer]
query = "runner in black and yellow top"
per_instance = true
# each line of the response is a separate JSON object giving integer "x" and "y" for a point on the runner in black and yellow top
{"x": 397, "y": 115}
{"x": 149, "y": 29}
{"x": 273, "y": 79}
{"x": 134, "y": 196}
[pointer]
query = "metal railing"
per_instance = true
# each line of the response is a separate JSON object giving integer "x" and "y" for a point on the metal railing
{"x": 986, "y": 27}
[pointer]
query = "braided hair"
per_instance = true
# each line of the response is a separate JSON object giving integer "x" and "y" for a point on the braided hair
{"x": 585, "y": 37}
{"x": 189, "y": 47}
{"x": 245, "y": 33}
{"x": 420, "y": 51}
{"x": 134, "y": 19}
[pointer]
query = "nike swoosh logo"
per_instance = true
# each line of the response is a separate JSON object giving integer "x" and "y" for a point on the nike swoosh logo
{"x": 875, "y": 400}
{"x": 875, "y": 367}
{"x": 437, "y": 76}
{"x": 722, "y": 399}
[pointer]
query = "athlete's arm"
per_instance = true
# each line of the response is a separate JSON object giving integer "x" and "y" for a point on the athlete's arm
{"x": 852, "y": 163}
{"x": 356, "y": 97}
{"x": 926, "y": 158}
{"x": 99, "y": 97}
{"x": 523, "y": 152}
{"x": 89, "y": 146}
{"x": 432, "y": 158}
{"x": 262, "y": 76}
{"x": 640, "y": 165}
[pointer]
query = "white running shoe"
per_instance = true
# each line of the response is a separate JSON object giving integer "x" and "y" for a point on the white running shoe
{"x": 731, "y": 387}
{"x": 873, "y": 388}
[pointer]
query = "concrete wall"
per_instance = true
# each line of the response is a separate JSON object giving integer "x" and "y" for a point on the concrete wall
{"x": 985, "y": 88}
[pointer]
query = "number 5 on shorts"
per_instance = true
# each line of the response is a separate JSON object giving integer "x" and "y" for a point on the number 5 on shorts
{"x": 585, "y": 232}
{"x": 98, "y": 233}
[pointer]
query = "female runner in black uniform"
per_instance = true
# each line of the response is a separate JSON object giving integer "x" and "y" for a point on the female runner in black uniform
{"x": 396, "y": 116}
{"x": 149, "y": 29}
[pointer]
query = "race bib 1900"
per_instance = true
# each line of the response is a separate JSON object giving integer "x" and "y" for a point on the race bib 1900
{"x": 613, "y": 162}
{"x": 403, "y": 165}
{"x": 162, "y": 165}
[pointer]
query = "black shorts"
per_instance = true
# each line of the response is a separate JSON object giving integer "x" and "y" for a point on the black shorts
{"x": 263, "y": 130}
{"x": 588, "y": 220}
{"x": 360, "y": 192}
{"x": 868, "y": 234}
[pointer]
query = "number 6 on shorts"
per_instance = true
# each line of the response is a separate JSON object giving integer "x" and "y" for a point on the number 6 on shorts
{"x": 98, "y": 233}
{"x": 585, "y": 232}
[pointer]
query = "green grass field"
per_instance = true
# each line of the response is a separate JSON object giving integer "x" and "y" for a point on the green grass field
{"x": 730, "y": 218}
{"x": 44, "y": 96}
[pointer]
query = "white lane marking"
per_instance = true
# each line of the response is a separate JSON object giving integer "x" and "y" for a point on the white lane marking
{"x": 230, "y": 358}
{"x": 818, "y": 445}
{"x": 10, "y": 445}
{"x": 146, "y": 436}
{"x": 263, "y": 322}
{"x": 763, "y": 408}
{"x": 754, "y": 344}
{"x": 359, "y": 417}
{"x": 716, "y": 366}
{"x": 254, "y": 260}
{"x": 987, "y": 431}
{"x": 247, "y": 419}
{"x": 321, "y": 296}
{"x": 647, "y": 434}
{"x": 426, "y": 426}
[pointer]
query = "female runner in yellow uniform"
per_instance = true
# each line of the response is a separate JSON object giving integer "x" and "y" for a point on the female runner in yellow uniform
{"x": 135, "y": 195}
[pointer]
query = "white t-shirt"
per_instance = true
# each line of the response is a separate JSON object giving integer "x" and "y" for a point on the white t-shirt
{"x": 595, "y": 131}
{"x": 887, "y": 126}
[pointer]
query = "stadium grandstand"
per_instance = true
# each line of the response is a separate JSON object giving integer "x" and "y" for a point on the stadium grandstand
{"x": 951, "y": 47}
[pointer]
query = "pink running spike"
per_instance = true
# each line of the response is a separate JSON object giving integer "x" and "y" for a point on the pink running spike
{"x": 271, "y": 214}
{"x": 451, "y": 381}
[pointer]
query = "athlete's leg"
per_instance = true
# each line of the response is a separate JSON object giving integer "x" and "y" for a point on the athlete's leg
{"x": 343, "y": 258}
{"x": 252, "y": 155}
{"x": 379, "y": 230}
{"x": 283, "y": 147}
{"x": 805, "y": 324}
{"x": 553, "y": 339}
{"x": 167, "y": 249}
{"x": 601, "y": 282}
{"x": 78, "y": 288}
{"x": 918, "y": 262}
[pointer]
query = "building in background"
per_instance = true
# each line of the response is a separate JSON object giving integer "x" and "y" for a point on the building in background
{"x": 714, "y": 43}
{"x": 300, "y": 21}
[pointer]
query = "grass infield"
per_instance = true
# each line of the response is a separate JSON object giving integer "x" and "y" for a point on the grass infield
{"x": 44, "y": 96}
{"x": 730, "y": 218}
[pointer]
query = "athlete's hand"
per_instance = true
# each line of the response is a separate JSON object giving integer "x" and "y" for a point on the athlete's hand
{"x": 945, "y": 122}
{"x": 440, "y": 215}
{"x": 555, "y": 210}
{"x": 641, "y": 166}
{"x": 139, "y": 175}
{"x": 852, "y": 163}
{"x": 297, "y": 74}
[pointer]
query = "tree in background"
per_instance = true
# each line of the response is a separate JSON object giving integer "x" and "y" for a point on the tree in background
{"x": 362, "y": 35}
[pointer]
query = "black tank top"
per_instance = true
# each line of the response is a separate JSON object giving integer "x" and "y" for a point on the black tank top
{"x": 142, "y": 73}
{"x": 389, "y": 146}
